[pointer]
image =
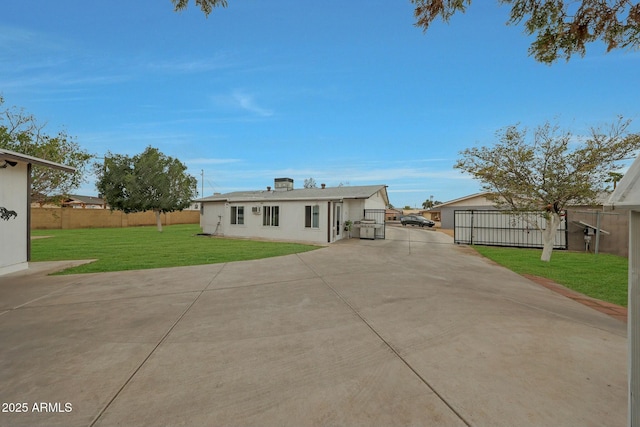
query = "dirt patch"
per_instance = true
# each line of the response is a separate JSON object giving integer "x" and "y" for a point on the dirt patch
{"x": 608, "y": 308}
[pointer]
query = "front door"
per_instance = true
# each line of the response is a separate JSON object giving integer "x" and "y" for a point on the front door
{"x": 334, "y": 221}
{"x": 338, "y": 221}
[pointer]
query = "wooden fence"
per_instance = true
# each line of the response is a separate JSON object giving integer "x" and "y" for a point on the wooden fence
{"x": 66, "y": 218}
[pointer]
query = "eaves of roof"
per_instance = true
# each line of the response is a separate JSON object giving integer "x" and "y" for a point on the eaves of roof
{"x": 12, "y": 156}
{"x": 461, "y": 199}
{"x": 627, "y": 192}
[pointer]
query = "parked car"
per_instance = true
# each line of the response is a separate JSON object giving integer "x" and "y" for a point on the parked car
{"x": 416, "y": 220}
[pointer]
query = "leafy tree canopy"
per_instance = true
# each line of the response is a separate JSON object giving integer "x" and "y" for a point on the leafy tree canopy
{"x": 310, "y": 183}
{"x": 22, "y": 133}
{"x": 429, "y": 203}
{"x": 205, "y": 5}
{"x": 149, "y": 181}
{"x": 549, "y": 168}
{"x": 561, "y": 28}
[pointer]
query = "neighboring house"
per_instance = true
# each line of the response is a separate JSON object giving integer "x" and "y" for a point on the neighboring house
{"x": 15, "y": 201}
{"x": 477, "y": 201}
{"x": 393, "y": 214}
{"x": 432, "y": 215}
{"x": 317, "y": 215}
{"x": 84, "y": 202}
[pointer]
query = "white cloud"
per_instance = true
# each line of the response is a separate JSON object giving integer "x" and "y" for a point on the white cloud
{"x": 211, "y": 161}
{"x": 246, "y": 102}
{"x": 193, "y": 66}
{"x": 239, "y": 99}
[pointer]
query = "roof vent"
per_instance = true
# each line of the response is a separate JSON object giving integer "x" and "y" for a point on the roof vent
{"x": 323, "y": 186}
{"x": 283, "y": 184}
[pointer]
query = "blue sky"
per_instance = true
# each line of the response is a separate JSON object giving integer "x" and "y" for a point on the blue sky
{"x": 341, "y": 91}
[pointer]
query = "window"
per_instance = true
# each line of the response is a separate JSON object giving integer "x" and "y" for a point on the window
{"x": 237, "y": 214}
{"x": 312, "y": 216}
{"x": 271, "y": 216}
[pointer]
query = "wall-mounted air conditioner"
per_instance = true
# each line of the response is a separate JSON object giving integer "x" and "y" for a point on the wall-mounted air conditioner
{"x": 255, "y": 210}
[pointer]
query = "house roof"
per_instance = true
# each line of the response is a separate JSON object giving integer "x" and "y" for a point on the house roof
{"x": 88, "y": 200}
{"x": 13, "y": 156}
{"x": 328, "y": 193}
{"x": 461, "y": 199}
{"x": 627, "y": 192}
{"x": 600, "y": 199}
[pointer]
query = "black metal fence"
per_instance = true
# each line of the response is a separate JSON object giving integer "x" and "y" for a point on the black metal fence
{"x": 379, "y": 216}
{"x": 503, "y": 228}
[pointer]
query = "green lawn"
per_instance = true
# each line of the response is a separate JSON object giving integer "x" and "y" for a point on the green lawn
{"x": 134, "y": 248}
{"x": 601, "y": 276}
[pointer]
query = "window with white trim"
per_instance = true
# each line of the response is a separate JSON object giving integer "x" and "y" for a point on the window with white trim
{"x": 312, "y": 216}
{"x": 271, "y": 216}
{"x": 237, "y": 215}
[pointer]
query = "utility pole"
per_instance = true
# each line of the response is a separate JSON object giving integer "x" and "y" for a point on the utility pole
{"x": 202, "y": 174}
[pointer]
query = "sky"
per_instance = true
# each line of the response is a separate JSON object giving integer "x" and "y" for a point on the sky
{"x": 344, "y": 92}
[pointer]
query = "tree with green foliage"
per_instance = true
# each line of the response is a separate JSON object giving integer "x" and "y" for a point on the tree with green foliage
{"x": 430, "y": 203}
{"x": 149, "y": 181}
{"x": 615, "y": 178}
{"x": 205, "y": 5}
{"x": 549, "y": 169}
{"x": 22, "y": 133}
{"x": 561, "y": 28}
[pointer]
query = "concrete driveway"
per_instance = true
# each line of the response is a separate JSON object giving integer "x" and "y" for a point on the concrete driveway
{"x": 408, "y": 331}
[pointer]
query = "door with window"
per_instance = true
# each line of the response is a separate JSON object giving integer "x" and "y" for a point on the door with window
{"x": 337, "y": 217}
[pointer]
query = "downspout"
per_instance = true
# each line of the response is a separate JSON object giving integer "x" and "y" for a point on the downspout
{"x": 329, "y": 222}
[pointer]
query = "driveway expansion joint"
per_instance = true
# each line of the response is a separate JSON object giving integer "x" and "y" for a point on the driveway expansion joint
{"x": 153, "y": 350}
{"x": 390, "y": 346}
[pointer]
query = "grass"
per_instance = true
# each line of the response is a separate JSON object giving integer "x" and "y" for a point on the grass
{"x": 133, "y": 248}
{"x": 601, "y": 276}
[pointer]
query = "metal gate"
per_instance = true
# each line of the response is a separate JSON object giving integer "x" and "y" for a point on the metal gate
{"x": 503, "y": 228}
{"x": 379, "y": 216}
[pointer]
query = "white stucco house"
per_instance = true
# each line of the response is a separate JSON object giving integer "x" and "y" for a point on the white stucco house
{"x": 15, "y": 202}
{"x": 315, "y": 215}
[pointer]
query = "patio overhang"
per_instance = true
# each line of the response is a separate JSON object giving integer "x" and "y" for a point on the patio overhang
{"x": 7, "y": 157}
